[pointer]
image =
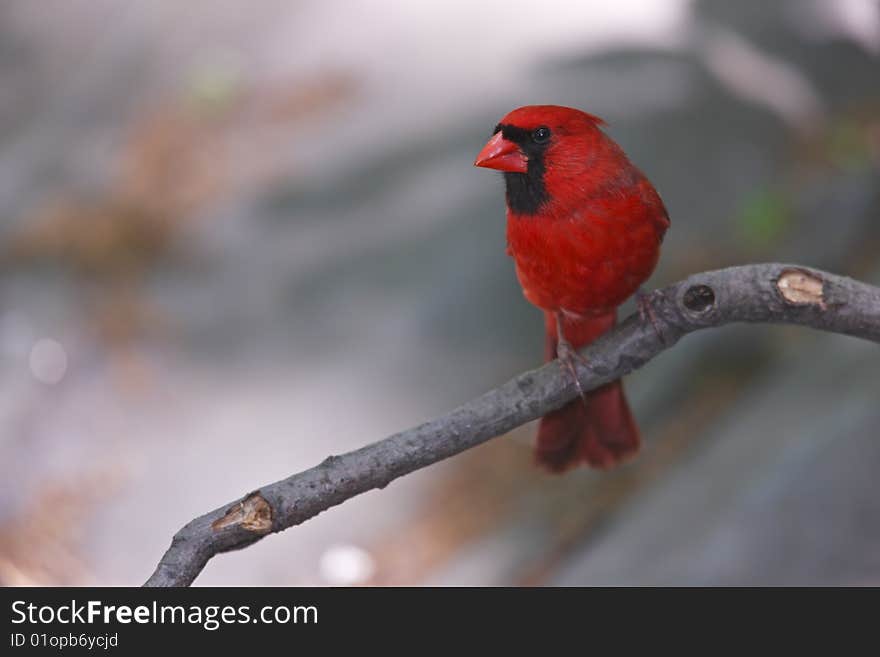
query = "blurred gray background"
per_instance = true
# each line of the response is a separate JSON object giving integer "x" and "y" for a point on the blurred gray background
{"x": 236, "y": 237}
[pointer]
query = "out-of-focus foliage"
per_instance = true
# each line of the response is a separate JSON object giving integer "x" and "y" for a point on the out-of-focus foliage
{"x": 765, "y": 216}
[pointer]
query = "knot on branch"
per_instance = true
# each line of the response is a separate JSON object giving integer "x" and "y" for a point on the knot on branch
{"x": 699, "y": 298}
{"x": 253, "y": 513}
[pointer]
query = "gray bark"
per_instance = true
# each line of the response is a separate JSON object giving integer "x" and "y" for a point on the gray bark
{"x": 763, "y": 293}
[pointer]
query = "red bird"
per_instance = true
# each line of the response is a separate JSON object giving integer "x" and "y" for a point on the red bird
{"x": 584, "y": 227}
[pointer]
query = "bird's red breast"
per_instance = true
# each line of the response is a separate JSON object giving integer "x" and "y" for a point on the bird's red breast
{"x": 584, "y": 225}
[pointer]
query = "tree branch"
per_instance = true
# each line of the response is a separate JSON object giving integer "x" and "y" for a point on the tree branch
{"x": 766, "y": 293}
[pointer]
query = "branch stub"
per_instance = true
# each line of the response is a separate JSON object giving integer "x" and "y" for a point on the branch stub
{"x": 801, "y": 287}
{"x": 253, "y": 513}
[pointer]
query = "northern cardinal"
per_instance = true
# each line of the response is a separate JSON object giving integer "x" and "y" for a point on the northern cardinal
{"x": 584, "y": 227}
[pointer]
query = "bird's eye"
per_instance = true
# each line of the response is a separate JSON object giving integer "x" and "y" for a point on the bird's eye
{"x": 541, "y": 135}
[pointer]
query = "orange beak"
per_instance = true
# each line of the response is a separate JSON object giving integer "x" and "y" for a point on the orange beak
{"x": 502, "y": 154}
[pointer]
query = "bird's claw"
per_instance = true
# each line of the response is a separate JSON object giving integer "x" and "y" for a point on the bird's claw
{"x": 644, "y": 302}
{"x": 570, "y": 358}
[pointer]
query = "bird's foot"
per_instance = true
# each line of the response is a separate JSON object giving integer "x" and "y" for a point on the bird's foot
{"x": 570, "y": 359}
{"x": 645, "y": 303}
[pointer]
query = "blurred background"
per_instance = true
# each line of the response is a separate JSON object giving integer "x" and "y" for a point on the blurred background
{"x": 236, "y": 237}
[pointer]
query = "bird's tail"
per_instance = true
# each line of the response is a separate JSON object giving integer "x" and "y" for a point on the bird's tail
{"x": 600, "y": 432}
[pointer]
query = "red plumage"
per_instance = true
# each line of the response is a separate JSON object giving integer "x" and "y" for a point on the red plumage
{"x": 584, "y": 227}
